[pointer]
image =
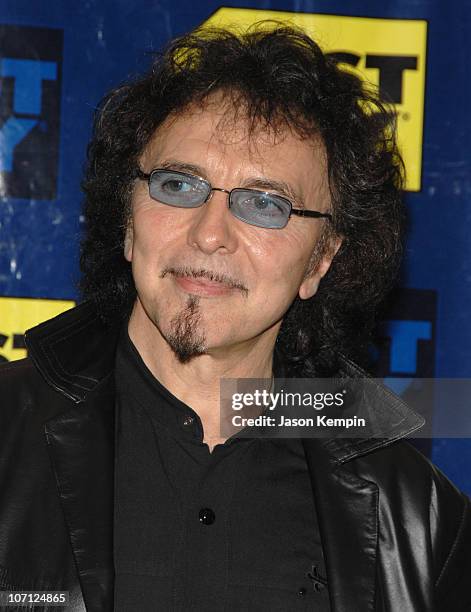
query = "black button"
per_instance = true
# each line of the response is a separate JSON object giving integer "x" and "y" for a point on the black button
{"x": 207, "y": 516}
{"x": 302, "y": 592}
{"x": 188, "y": 420}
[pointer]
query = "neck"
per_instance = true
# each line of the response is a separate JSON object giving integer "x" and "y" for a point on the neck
{"x": 197, "y": 382}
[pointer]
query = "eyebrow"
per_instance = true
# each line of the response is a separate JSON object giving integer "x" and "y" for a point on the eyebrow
{"x": 258, "y": 182}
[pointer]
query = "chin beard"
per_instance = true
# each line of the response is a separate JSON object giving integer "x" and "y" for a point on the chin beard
{"x": 184, "y": 338}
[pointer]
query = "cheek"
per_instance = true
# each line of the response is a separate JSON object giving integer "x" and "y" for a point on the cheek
{"x": 280, "y": 260}
{"x": 278, "y": 268}
{"x": 155, "y": 229}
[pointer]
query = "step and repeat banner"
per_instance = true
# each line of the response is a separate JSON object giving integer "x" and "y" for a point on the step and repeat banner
{"x": 58, "y": 59}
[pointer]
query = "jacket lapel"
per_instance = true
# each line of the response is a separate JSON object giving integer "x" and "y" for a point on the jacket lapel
{"x": 75, "y": 354}
{"x": 347, "y": 509}
{"x": 347, "y": 505}
{"x": 81, "y": 445}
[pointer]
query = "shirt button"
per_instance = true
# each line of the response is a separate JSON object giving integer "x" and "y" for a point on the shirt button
{"x": 188, "y": 420}
{"x": 302, "y": 592}
{"x": 207, "y": 516}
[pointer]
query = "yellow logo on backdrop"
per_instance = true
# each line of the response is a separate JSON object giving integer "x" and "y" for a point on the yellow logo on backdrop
{"x": 19, "y": 314}
{"x": 390, "y": 53}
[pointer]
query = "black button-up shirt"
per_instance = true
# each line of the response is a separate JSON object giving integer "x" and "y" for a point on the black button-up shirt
{"x": 234, "y": 529}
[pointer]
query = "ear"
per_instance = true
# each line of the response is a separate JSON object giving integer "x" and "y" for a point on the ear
{"x": 128, "y": 242}
{"x": 311, "y": 281}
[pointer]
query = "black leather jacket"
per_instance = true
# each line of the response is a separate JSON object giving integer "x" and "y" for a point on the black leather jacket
{"x": 396, "y": 533}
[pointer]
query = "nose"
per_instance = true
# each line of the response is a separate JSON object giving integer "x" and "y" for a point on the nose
{"x": 212, "y": 228}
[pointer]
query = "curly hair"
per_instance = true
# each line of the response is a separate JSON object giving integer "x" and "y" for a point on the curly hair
{"x": 280, "y": 75}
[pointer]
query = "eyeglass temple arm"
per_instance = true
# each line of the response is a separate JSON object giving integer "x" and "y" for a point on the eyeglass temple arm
{"x": 310, "y": 213}
{"x": 142, "y": 175}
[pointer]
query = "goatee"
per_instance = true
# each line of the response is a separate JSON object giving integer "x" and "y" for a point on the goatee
{"x": 184, "y": 338}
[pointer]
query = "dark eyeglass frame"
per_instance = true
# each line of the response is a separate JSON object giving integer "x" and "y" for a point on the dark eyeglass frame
{"x": 313, "y": 214}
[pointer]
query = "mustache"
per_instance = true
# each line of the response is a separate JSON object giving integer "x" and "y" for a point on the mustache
{"x": 182, "y": 271}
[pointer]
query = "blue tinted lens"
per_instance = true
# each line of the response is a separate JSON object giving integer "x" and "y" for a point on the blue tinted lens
{"x": 178, "y": 188}
{"x": 260, "y": 208}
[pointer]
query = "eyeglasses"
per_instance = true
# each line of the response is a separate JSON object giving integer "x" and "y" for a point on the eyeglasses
{"x": 253, "y": 206}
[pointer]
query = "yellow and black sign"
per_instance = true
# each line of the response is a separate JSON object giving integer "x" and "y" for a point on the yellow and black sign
{"x": 389, "y": 53}
{"x": 19, "y": 314}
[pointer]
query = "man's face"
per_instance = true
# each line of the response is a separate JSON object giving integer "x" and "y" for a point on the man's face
{"x": 205, "y": 280}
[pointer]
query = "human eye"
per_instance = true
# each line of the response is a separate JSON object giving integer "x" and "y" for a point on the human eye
{"x": 173, "y": 185}
{"x": 177, "y": 188}
{"x": 267, "y": 204}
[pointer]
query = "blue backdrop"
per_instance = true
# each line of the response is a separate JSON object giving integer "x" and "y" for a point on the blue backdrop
{"x": 59, "y": 58}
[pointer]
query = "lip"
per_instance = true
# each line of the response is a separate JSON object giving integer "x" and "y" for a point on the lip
{"x": 202, "y": 286}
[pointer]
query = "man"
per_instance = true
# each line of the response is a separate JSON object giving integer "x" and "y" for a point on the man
{"x": 243, "y": 219}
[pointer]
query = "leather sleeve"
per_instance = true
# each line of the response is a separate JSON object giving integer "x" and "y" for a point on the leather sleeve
{"x": 453, "y": 586}
{"x": 425, "y": 532}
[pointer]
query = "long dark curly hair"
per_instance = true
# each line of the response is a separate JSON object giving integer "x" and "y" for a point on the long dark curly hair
{"x": 280, "y": 76}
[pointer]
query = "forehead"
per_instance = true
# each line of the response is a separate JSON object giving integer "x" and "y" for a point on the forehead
{"x": 223, "y": 141}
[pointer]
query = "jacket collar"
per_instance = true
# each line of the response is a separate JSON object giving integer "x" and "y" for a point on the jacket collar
{"x": 75, "y": 354}
{"x": 74, "y": 351}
